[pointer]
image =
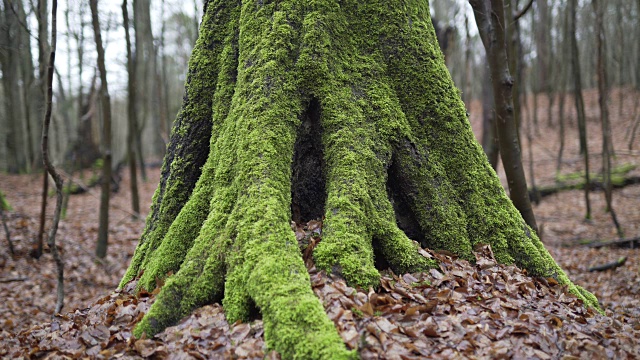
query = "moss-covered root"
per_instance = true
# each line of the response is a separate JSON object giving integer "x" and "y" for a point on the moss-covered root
{"x": 358, "y": 209}
{"x": 275, "y": 278}
{"x": 181, "y": 234}
{"x": 199, "y": 281}
{"x": 589, "y": 299}
{"x": 292, "y": 314}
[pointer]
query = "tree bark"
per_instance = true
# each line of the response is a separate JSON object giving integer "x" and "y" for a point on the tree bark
{"x": 48, "y": 165}
{"x": 579, "y": 102}
{"x": 32, "y": 98}
{"x": 489, "y": 137}
{"x": 490, "y": 20}
{"x": 361, "y": 91}
{"x": 131, "y": 113}
{"x": 603, "y": 101}
{"x": 43, "y": 51}
{"x": 103, "y": 230}
{"x": 15, "y": 137}
{"x": 561, "y": 65}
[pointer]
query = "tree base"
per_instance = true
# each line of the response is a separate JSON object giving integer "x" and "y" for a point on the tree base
{"x": 308, "y": 120}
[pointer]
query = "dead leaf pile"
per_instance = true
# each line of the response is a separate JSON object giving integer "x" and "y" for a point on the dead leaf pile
{"x": 485, "y": 310}
{"x": 465, "y": 311}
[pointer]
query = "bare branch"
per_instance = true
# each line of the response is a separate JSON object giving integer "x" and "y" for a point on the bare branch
{"x": 521, "y": 13}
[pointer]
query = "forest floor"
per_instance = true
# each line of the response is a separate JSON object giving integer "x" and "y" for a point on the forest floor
{"x": 483, "y": 310}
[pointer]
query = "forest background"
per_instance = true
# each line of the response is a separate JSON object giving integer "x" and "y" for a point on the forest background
{"x": 162, "y": 36}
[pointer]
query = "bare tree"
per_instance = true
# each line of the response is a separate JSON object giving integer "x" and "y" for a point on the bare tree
{"x": 544, "y": 51}
{"x": 13, "y": 132}
{"x": 579, "y": 102}
{"x": 131, "y": 113}
{"x": 490, "y": 17}
{"x": 561, "y": 87}
{"x": 466, "y": 89}
{"x": 103, "y": 230}
{"x": 48, "y": 165}
{"x": 489, "y": 138}
{"x": 603, "y": 99}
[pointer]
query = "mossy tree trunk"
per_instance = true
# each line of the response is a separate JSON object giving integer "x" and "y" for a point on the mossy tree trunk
{"x": 308, "y": 109}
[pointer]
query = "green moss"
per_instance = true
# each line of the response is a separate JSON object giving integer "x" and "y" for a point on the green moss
{"x": 4, "y": 204}
{"x": 618, "y": 174}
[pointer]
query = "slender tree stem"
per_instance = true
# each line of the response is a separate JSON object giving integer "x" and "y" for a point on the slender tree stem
{"x": 51, "y": 241}
{"x": 131, "y": 113}
{"x": 491, "y": 25}
{"x": 103, "y": 230}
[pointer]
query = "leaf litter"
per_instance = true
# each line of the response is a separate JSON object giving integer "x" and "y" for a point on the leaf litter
{"x": 482, "y": 310}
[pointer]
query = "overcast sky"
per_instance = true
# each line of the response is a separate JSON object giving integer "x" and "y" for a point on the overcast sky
{"x": 110, "y": 14}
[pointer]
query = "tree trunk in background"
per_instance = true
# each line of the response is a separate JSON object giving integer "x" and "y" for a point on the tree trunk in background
{"x": 103, "y": 230}
{"x": 15, "y": 140}
{"x": 620, "y": 54}
{"x": 603, "y": 101}
{"x": 141, "y": 82}
{"x": 46, "y": 159}
{"x": 493, "y": 37}
{"x": 131, "y": 113}
{"x": 147, "y": 81}
{"x": 466, "y": 90}
{"x": 165, "y": 81}
{"x": 489, "y": 137}
{"x": 43, "y": 57}
{"x": 512, "y": 38}
{"x": 579, "y": 102}
{"x": 6, "y": 104}
{"x": 637, "y": 63}
{"x": 544, "y": 51}
{"x": 196, "y": 20}
{"x": 306, "y": 109}
{"x": 636, "y": 123}
{"x": 561, "y": 65}
{"x": 33, "y": 100}
{"x": 43, "y": 52}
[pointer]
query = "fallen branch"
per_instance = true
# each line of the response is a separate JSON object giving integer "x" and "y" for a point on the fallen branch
{"x": 16, "y": 279}
{"x": 620, "y": 243}
{"x": 594, "y": 185}
{"x": 611, "y": 265}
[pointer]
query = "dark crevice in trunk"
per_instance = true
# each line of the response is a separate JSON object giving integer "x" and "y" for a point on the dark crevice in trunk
{"x": 254, "y": 311}
{"x": 405, "y": 218}
{"x": 379, "y": 260}
{"x": 308, "y": 193}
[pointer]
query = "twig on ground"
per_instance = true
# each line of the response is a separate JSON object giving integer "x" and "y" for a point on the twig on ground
{"x": 620, "y": 243}
{"x": 611, "y": 265}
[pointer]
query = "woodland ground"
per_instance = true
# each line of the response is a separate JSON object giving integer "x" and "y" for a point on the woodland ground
{"x": 481, "y": 310}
